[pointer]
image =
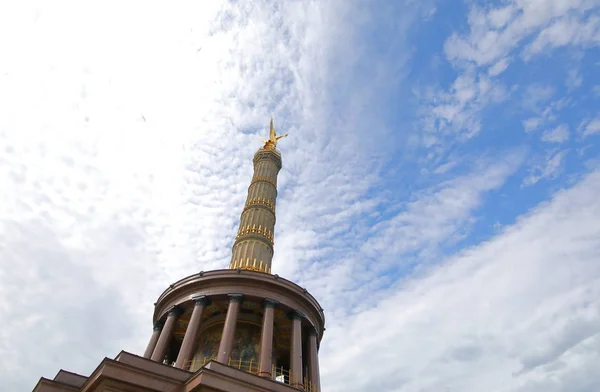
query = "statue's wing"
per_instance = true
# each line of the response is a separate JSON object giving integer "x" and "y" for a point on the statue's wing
{"x": 281, "y": 137}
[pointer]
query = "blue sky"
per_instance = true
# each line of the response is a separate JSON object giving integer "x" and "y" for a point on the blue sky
{"x": 438, "y": 194}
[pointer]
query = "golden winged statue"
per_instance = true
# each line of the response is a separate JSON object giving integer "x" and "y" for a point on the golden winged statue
{"x": 271, "y": 143}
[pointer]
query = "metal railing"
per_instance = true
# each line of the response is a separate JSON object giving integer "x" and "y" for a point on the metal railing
{"x": 277, "y": 373}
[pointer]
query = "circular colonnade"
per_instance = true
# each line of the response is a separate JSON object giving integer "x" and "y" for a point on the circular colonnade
{"x": 254, "y": 321}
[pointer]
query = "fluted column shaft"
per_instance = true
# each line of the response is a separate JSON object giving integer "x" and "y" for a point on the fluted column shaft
{"x": 313, "y": 361}
{"x": 153, "y": 340}
{"x": 253, "y": 246}
{"x": 189, "y": 340}
{"x": 226, "y": 344}
{"x": 266, "y": 342}
{"x": 296, "y": 350}
{"x": 166, "y": 335}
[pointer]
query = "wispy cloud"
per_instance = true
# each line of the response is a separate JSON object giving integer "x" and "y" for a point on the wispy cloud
{"x": 497, "y": 35}
{"x": 525, "y": 302}
{"x": 437, "y": 215}
{"x": 548, "y": 166}
{"x": 572, "y": 29}
{"x": 574, "y": 79}
{"x": 590, "y": 127}
{"x": 559, "y": 134}
{"x": 497, "y": 31}
{"x": 361, "y": 251}
{"x": 536, "y": 97}
{"x": 455, "y": 113}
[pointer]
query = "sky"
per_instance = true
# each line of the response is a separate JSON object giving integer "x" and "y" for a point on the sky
{"x": 439, "y": 190}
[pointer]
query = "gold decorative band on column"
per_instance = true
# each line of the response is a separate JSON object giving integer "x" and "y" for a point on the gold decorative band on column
{"x": 258, "y": 266}
{"x": 254, "y": 230}
{"x": 261, "y": 202}
{"x": 265, "y": 179}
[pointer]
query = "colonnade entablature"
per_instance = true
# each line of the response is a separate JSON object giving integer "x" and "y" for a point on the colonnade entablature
{"x": 251, "y": 284}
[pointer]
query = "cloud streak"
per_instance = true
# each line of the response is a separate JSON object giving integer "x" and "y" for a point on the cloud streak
{"x": 525, "y": 302}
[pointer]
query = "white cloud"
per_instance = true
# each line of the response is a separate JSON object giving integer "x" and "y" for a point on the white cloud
{"x": 536, "y": 99}
{"x": 569, "y": 30}
{"x": 574, "y": 79}
{"x": 520, "y": 312}
{"x": 496, "y": 32}
{"x": 532, "y": 124}
{"x": 455, "y": 113}
{"x": 359, "y": 257}
{"x": 536, "y": 96}
{"x": 589, "y": 127}
{"x": 499, "y": 67}
{"x": 549, "y": 167}
{"x": 499, "y": 17}
{"x": 559, "y": 134}
{"x": 495, "y": 36}
{"x": 446, "y": 167}
{"x": 437, "y": 215}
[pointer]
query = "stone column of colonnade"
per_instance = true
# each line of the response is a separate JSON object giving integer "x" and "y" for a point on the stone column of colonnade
{"x": 166, "y": 334}
{"x": 296, "y": 379}
{"x": 313, "y": 361}
{"x": 253, "y": 246}
{"x": 266, "y": 343}
{"x": 153, "y": 340}
{"x": 226, "y": 344}
{"x": 266, "y": 339}
{"x": 189, "y": 339}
